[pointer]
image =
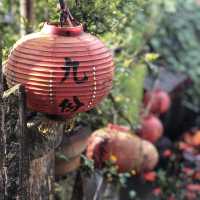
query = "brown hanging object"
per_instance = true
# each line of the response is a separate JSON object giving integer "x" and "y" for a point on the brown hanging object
{"x": 127, "y": 151}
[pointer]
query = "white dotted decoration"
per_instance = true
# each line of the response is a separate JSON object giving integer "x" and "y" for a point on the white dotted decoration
{"x": 51, "y": 88}
{"x": 13, "y": 77}
{"x": 94, "y": 92}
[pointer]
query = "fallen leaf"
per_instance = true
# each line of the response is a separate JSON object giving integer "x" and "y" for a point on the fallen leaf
{"x": 167, "y": 153}
{"x": 193, "y": 187}
{"x": 113, "y": 158}
{"x": 196, "y": 139}
{"x": 157, "y": 192}
{"x": 184, "y": 146}
{"x": 118, "y": 127}
{"x": 150, "y": 176}
{"x": 190, "y": 195}
{"x": 133, "y": 172}
{"x": 196, "y": 176}
{"x": 188, "y": 171}
{"x": 171, "y": 198}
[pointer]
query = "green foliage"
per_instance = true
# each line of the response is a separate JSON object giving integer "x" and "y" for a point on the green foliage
{"x": 177, "y": 41}
{"x": 87, "y": 166}
{"x": 173, "y": 177}
{"x": 99, "y": 16}
{"x": 62, "y": 157}
{"x": 129, "y": 90}
{"x": 8, "y": 32}
{"x": 130, "y": 41}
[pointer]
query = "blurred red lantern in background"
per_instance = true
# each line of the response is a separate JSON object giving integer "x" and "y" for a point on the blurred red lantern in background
{"x": 127, "y": 151}
{"x": 159, "y": 101}
{"x": 151, "y": 128}
{"x": 64, "y": 70}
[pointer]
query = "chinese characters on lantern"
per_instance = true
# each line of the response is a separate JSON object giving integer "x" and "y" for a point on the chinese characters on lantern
{"x": 75, "y": 65}
{"x": 68, "y": 105}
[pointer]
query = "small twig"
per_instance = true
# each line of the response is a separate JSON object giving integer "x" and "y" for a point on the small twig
{"x": 119, "y": 111}
{"x": 65, "y": 14}
{"x": 10, "y": 91}
{"x": 114, "y": 115}
{"x": 97, "y": 192}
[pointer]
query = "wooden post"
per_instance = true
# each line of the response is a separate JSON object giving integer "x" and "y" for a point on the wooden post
{"x": 28, "y": 170}
{"x": 24, "y": 147}
{"x": 3, "y": 169}
{"x": 42, "y": 156}
{"x": 42, "y": 177}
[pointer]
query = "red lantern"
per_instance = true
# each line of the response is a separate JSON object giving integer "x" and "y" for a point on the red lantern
{"x": 151, "y": 128}
{"x": 64, "y": 70}
{"x": 117, "y": 144}
{"x": 160, "y": 101}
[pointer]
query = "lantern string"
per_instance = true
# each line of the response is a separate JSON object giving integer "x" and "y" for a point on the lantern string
{"x": 65, "y": 14}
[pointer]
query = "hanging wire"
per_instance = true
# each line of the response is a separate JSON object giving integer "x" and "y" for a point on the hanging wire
{"x": 65, "y": 15}
{"x": 62, "y": 4}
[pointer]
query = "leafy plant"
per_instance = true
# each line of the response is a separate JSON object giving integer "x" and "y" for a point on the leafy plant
{"x": 177, "y": 41}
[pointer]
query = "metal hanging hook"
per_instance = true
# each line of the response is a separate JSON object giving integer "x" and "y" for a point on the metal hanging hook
{"x": 65, "y": 15}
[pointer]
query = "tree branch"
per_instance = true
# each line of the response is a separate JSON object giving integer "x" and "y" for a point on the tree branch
{"x": 119, "y": 111}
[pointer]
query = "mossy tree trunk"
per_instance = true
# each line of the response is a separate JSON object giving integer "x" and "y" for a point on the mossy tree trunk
{"x": 28, "y": 158}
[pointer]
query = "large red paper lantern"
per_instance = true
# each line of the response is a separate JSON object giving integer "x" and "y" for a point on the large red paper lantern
{"x": 64, "y": 70}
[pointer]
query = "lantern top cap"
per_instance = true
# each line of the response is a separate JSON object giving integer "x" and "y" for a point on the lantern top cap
{"x": 56, "y": 29}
